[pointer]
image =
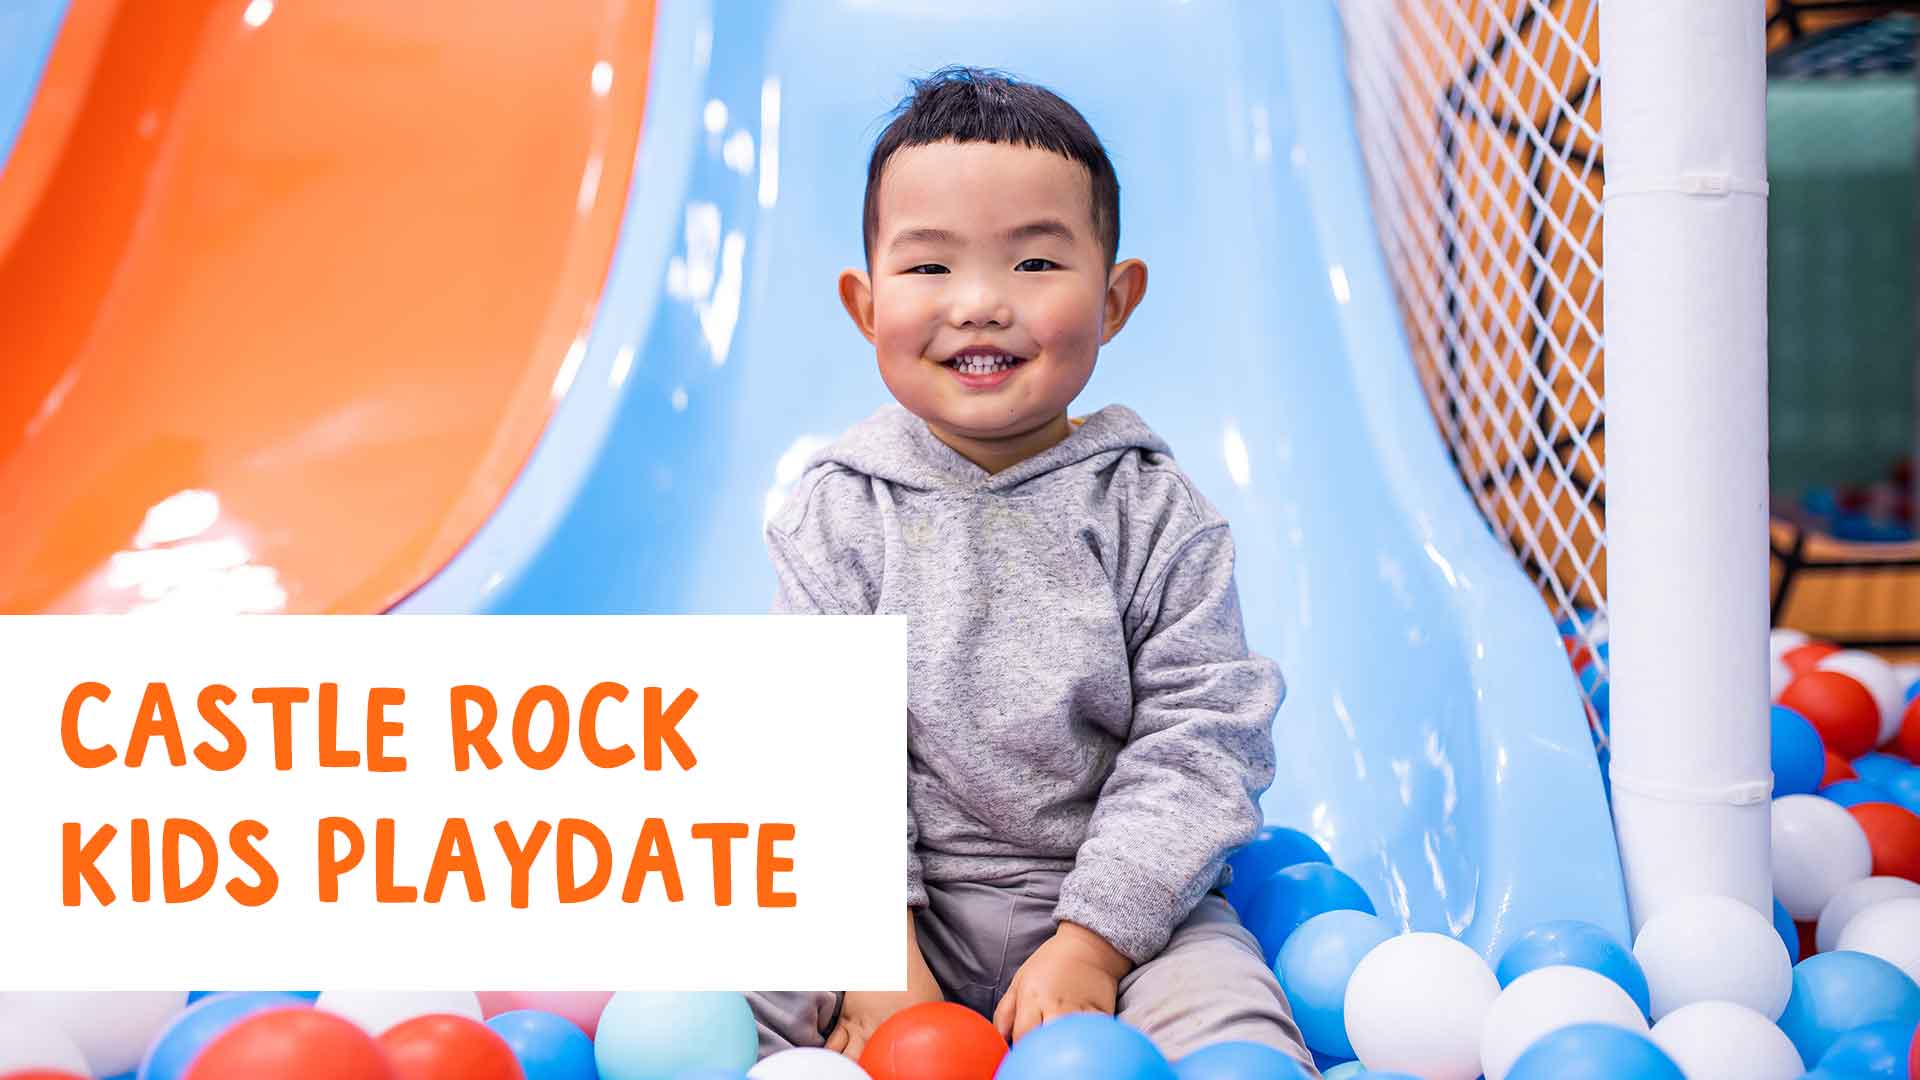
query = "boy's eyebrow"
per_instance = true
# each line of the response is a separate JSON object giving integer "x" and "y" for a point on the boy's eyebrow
{"x": 1053, "y": 227}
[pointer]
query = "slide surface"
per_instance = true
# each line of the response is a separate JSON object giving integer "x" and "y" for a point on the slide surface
{"x": 1432, "y": 737}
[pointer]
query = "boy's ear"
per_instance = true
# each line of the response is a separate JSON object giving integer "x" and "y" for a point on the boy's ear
{"x": 1126, "y": 285}
{"x": 856, "y": 295}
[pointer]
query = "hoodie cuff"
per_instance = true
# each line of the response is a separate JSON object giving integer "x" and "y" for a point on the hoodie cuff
{"x": 916, "y": 886}
{"x": 1131, "y": 908}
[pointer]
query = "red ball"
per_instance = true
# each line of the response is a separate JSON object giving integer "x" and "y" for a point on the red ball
{"x": 1577, "y": 651}
{"x": 934, "y": 1040}
{"x": 444, "y": 1047}
{"x": 1838, "y": 769}
{"x": 1804, "y": 658}
{"x": 292, "y": 1044}
{"x": 1893, "y": 832}
{"x": 1809, "y": 942}
{"x": 1907, "y": 742}
{"x": 1840, "y": 709}
{"x": 1913, "y": 1056}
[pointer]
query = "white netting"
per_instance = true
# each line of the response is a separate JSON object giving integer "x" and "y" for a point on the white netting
{"x": 1480, "y": 121}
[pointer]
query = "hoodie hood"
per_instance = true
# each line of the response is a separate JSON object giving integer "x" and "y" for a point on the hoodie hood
{"x": 896, "y": 446}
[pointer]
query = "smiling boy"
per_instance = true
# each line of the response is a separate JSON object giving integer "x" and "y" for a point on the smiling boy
{"x": 1087, "y": 731}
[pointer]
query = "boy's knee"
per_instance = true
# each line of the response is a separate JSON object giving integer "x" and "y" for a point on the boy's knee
{"x": 790, "y": 1018}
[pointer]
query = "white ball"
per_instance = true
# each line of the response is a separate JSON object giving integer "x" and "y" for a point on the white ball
{"x": 1878, "y": 677}
{"x": 1889, "y": 930}
{"x": 1782, "y": 638}
{"x": 1853, "y": 900}
{"x": 1818, "y": 849}
{"x": 1778, "y": 676}
{"x": 28, "y": 1040}
{"x": 1714, "y": 948}
{"x": 112, "y": 1028}
{"x": 1417, "y": 1003}
{"x": 1718, "y": 1040}
{"x": 376, "y": 1010}
{"x": 806, "y": 1063}
{"x": 1548, "y": 999}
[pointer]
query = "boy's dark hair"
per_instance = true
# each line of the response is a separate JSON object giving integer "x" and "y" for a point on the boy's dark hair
{"x": 968, "y": 104}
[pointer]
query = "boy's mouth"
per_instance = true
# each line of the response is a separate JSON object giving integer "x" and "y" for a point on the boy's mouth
{"x": 978, "y": 361}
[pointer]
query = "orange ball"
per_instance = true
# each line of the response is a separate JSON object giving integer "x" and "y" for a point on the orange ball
{"x": 292, "y": 1044}
{"x": 1838, "y": 769}
{"x": 1804, "y": 658}
{"x": 1907, "y": 742}
{"x": 934, "y": 1040}
{"x": 1840, "y": 709}
{"x": 444, "y": 1047}
{"x": 1893, "y": 832}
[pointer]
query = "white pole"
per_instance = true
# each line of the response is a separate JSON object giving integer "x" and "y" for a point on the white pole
{"x": 1683, "y": 90}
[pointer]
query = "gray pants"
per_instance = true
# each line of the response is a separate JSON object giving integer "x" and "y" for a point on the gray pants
{"x": 1207, "y": 986}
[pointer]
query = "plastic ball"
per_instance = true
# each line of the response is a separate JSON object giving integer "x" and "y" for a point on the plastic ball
{"x": 1877, "y": 768}
{"x": 1807, "y": 655}
{"x": 806, "y": 1063}
{"x": 1838, "y": 769}
{"x": 1893, "y": 835}
{"x": 46, "y": 1074}
{"x": 192, "y": 1030}
{"x": 1799, "y": 757}
{"x": 112, "y": 1028}
{"x": 28, "y": 1041}
{"x": 1907, "y": 742}
{"x": 1578, "y": 944}
{"x": 1594, "y": 1052}
{"x": 1853, "y": 793}
{"x": 1713, "y": 948}
{"x": 1835, "y": 992}
{"x": 1877, "y": 676}
{"x": 1345, "y": 1070}
{"x": 443, "y": 1047}
{"x": 1084, "y": 1046}
{"x": 652, "y": 1036}
{"x": 1818, "y": 849}
{"x": 1840, "y": 709}
{"x": 1546, "y": 1000}
{"x": 1718, "y": 1040}
{"x": 1889, "y": 930}
{"x": 1417, "y": 1004}
{"x": 580, "y": 1006}
{"x": 378, "y": 1010}
{"x": 1272, "y": 848}
{"x": 1239, "y": 1061}
{"x": 1314, "y": 967}
{"x": 547, "y": 1045}
{"x": 1855, "y": 899}
{"x": 1871, "y": 1052}
{"x": 1783, "y": 925}
{"x": 292, "y": 1044}
{"x": 1904, "y": 790}
{"x": 1291, "y": 896}
{"x": 934, "y": 1040}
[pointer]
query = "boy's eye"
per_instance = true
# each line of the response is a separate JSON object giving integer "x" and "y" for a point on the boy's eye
{"x": 1028, "y": 265}
{"x": 928, "y": 268}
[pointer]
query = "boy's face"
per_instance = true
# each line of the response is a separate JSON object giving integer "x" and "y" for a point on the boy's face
{"x": 984, "y": 246}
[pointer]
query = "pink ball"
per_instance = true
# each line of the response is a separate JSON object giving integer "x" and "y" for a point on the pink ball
{"x": 583, "y": 1007}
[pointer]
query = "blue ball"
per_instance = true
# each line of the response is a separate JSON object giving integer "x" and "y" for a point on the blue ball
{"x": 1835, "y": 992}
{"x": 1083, "y": 1046}
{"x": 1874, "y": 1052}
{"x": 1314, "y": 966}
{"x": 1904, "y": 789}
{"x": 644, "y": 1036}
{"x": 1853, "y": 792}
{"x": 1799, "y": 757}
{"x": 1598, "y": 690}
{"x": 710, "y": 1074}
{"x": 1789, "y": 933}
{"x": 202, "y": 1022}
{"x": 1238, "y": 1061}
{"x": 548, "y": 1047}
{"x": 1594, "y": 1052}
{"x": 1576, "y": 944}
{"x": 1272, "y": 848}
{"x": 1295, "y": 894}
{"x": 1913, "y": 691}
{"x": 1877, "y": 769}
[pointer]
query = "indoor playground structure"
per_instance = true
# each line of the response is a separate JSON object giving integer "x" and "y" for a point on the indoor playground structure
{"x": 363, "y": 307}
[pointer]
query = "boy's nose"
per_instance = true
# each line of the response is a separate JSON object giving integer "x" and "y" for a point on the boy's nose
{"x": 981, "y": 307}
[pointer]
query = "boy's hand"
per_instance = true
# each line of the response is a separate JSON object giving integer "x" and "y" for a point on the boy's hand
{"x": 1075, "y": 971}
{"x": 863, "y": 1011}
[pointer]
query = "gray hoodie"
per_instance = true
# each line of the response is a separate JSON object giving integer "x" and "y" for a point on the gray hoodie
{"x": 1080, "y": 696}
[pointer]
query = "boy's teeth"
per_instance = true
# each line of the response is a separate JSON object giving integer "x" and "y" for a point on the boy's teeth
{"x": 982, "y": 363}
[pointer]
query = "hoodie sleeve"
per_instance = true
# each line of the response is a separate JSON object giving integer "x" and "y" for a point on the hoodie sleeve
{"x": 1184, "y": 789}
{"x": 826, "y": 563}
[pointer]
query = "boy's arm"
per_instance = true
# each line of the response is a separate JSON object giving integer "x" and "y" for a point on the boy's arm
{"x": 1184, "y": 790}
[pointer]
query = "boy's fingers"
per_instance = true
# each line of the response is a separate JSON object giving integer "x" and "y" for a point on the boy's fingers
{"x": 856, "y": 1042}
{"x": 1003, "y": 1012}
{"x": 1026, "y": 1020}
{"x": 837, "y": 1038}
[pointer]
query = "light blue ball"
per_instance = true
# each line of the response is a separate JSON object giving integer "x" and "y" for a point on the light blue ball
{"x": 1272, "y": 848}
{"x": 1789, "y": 933}
{"x": 1291, "y": 896}
{"x": 548, "y": 1046}
{"x": 1853, "y": 792}
{"x": 1344, "y": 1070}
{"x": 656, "y": 1036}
{"x": 202, "y": 1022}
{"x": 1083, "y": 1046}
{"x": 1904, "y": 789}
{"x": 1877, "y": 769}
{"x": 1835, "y": 992}
{"x": 1874, "y": 1052}
{"x": 1314, "y": 967}
{"x": 710, "y": 1074}
{"x": 1594, "y": 1052}
{"x": 1799, "y": 757}
{"x": 1238, "y": 1061}
{"x": 1575, "y": 944}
